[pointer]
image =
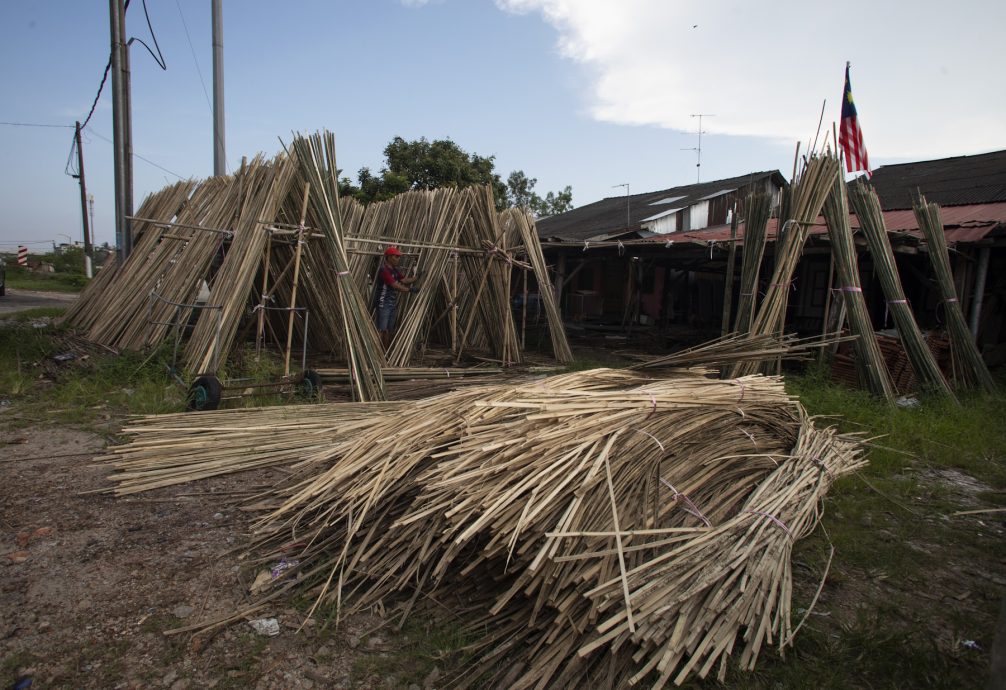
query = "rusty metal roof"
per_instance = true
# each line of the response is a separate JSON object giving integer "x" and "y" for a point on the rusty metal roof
{"x": 960, "y": 223}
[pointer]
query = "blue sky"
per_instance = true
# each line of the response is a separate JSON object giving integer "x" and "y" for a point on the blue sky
{"x": 587, "y": 93}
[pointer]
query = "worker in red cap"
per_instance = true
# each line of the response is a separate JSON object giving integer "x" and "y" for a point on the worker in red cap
{"x": 390, "y": 281}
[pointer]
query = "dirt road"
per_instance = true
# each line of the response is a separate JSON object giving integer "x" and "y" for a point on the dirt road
{"x": 19, "y": 300}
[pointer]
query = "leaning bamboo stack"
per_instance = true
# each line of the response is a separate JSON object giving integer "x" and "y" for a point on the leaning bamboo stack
{"x": 969, "y": 369}
{"x": 263, "y": 188}
{"x": 807, "y": 198}
{"x": 868, "y": 356}
{"x": 92, "y": 304}
{"x": 518, "y": 218}
{"x": 758, "y": 210}
{"x": 316, "y": 164}
{"x": 871, "y": 221}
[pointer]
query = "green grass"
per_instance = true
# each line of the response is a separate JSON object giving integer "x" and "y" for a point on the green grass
{"x": 48, "y": 282}
{"x": 96, "y": 391}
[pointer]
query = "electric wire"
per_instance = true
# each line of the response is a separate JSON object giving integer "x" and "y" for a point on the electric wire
{"x": 33, "y": 124}
{"x": 194, "y": 60}
{"x": 136, "y": 155}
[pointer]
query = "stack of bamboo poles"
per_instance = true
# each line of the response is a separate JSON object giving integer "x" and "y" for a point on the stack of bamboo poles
{"x": 871, "y": 221}
{"x": 805, "y": 200}
{"x": 969, "y": 369}
{"x": 278, "y": 256}
{"x": 263, "y": 188}
{"x": 92, "y": 307}
{"x": 486, "y": 299}
{"x": 758, "y": 209}
{"x": 590, "y": 527}
{"x": 868, "y": 356}
{"x": 165, "y": 269}
{"x": 518, "y": 218}
{"x": 316, "y": 164}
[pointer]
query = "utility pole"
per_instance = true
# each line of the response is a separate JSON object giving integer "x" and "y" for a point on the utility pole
{"x": 628, "y": 222}
{"x": 698, "y": 164}
{"x": 219, "y": 150}
{"x": 121, "y": 130}
{"x": 83, "y": 202}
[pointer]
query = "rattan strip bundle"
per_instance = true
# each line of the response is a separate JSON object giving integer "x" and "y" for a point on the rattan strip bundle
{"x": 871, "y": 363}
{"x": 871, "y": 221}
{"x": 969, "y": 368}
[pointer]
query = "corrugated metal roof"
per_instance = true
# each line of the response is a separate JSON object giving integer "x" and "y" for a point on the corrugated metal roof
{"x": 961, "y": 224}
{"x": 608, "y": 216}
{"x": 962, "y": 180}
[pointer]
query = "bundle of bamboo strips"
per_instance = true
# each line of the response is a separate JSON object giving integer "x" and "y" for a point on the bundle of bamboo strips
{"x": 804, "y": 202}
{"x": 871, "y": 221}
{"x": 738, "y": 347}
{"x": 316, "y": 164}
{"x": 758, "y": 209}
{"x": 868, "y": 356}
{"x": 969, "y": 369}
{"x": 519, "y": 218}
{"x": 163, "y": 205}
{"x": 176, "y": 449}
{"x": 263, "y": 187}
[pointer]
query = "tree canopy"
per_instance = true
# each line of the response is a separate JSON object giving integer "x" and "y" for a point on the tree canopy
{"x": 424, "y": 164}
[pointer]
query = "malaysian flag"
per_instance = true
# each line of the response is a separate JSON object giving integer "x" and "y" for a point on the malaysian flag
{"x": 850, "y": 136}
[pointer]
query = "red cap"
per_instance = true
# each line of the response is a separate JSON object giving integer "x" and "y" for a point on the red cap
{"x": 392, "y": 251}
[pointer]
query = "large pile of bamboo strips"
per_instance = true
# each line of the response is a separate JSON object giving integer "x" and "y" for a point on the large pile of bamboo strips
{"x": 592, "y": 528}
{"x": 868, "y": 356}
{"x": 871, "y": 221}
{"x": 969, "y": 369}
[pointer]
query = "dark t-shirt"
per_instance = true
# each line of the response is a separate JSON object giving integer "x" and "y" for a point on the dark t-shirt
{"x": 385, "y": 294}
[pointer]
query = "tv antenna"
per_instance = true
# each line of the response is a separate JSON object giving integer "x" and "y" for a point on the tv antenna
{"x": 698, "y": 150}
{"x": 626, "y": 185}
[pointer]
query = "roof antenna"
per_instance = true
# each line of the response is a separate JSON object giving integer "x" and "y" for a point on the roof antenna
{"x": 626, "y": 185}
{"x": 698, "y": 150}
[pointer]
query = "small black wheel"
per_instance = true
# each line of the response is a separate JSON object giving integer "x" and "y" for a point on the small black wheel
{"x": 204, "y": 394}
{"x": 310, "y": 384}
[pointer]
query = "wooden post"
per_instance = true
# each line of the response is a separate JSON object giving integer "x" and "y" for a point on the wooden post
{"x": 827, "y": 304}
{"x": 728, "y": 285}
{"x": 454, "y": 305}
{"x": 523, "y": 316}
{"x": 296, "y": 277}
{"x": 265, "y": 295}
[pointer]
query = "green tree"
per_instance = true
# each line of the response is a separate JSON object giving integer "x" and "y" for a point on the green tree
{"x": 424, "y": 164}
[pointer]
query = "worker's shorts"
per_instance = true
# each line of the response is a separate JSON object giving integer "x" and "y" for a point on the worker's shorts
{"x": 386, "y": 316}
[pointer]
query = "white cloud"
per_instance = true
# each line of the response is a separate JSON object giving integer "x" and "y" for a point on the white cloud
{"x": 765, "y": 69}
{"x": 415, "y": 3}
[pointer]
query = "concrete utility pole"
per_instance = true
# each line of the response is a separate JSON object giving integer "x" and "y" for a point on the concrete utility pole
{"x": 83, "y": 203}
{"x": 219, "y": 150}
{"x": 121, "y": 129}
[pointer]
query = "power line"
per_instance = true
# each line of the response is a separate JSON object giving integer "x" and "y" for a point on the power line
{"x": 196, "y": 61}
{"x": 136, "y": 155}
{"x": 33, "y": 124}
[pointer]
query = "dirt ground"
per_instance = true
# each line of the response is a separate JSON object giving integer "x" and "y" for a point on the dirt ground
{"x": 90, "y": 582}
